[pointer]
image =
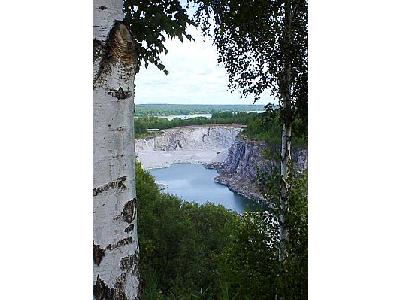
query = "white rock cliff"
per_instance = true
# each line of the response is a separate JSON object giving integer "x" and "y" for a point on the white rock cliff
{"x": 190, "y": 144}
{"x": 245, "y": 159}
{"x": 237, "y": 160}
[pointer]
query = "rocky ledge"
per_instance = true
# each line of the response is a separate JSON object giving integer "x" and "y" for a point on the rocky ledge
{"x": 244, "y": 161}
{"x": 189, "y": 144}
{"x": 237, "y": 159}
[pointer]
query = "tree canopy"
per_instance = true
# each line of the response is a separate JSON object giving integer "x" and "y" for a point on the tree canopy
{"x": 209, "y": 252}
{"x": 151, "y": 23}
{"x": 263, "y": 46}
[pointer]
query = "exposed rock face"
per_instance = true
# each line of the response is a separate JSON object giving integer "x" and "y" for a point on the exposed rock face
{"x": 245, "y": 159}
{"x": 237, "y": 160}
{"x": 190, "y": 144}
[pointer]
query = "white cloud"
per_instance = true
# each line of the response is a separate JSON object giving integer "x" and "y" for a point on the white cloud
{"x": 194, "y": 76}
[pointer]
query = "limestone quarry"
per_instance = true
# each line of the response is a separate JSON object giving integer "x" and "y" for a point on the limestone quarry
{"x": 236, "y": 159}
{"x": 191, "y": 144}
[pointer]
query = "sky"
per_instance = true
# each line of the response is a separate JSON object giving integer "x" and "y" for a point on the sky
{"x": 194, "y": 76}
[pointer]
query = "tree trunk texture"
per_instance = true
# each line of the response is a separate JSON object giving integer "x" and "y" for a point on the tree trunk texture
{"x": 287, "y": 113}
{"x": 285, "y": 164}
{"x": 286, "y": 158}
{"x": 115, "y": 240}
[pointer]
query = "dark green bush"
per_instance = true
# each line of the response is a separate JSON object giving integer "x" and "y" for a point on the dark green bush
{"x": 191, "y": 251}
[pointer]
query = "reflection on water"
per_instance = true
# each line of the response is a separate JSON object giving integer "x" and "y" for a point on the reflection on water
{"x": 195, "y": 183}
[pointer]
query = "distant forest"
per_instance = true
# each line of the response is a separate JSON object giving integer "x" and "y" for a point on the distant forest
{"x": 190, "y": 109}
{"x": 142, "y": 124}
{"x": 263, "y": 126}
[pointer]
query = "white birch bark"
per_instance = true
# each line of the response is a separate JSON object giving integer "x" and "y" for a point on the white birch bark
{"x": 115, "y": 241}
{"x": 286, "y": 158}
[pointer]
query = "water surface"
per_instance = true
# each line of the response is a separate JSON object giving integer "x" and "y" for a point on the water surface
{"x": 195, "y": 183}
{"x": 185, "y": 117}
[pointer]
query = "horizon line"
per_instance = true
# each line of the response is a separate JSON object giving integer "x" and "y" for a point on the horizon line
{"x": 199, "y": 104}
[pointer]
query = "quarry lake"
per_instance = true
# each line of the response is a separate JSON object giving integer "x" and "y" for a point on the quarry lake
{"x": 195, "y": 183}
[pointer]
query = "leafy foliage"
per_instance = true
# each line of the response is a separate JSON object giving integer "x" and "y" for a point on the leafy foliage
{"x": 180, "y": 243}
{"x": 249, "y": 264}
{"x": 295, "y": 285}
{"x": 190, "y": 251}
{"x": 152, "y": 22}
{"x": 263, "y": 46}
{"x": 292, "y": 281}
{"x": 267, "y": 127}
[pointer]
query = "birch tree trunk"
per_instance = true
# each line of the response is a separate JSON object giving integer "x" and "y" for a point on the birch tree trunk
{"x": 287, "y": 113}
{"x": 286, "y": 159}
{"x": 115, "y": 241}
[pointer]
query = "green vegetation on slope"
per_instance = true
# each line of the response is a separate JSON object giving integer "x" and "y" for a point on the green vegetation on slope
{"x": 191, "y": 251}
{"x": 144, "y": 123}
{"x": 265, "y": 126}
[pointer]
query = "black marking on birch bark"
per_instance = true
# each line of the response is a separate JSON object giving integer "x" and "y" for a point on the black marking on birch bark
{"x": 119, "y": 287}
{"x": 119, "y": 47}
{"x": 120, "y": 94}
{"x": 119, "y": 128}
{"x": 101, "y": 291}
{"x": 129, "y": 228}
{"x": 120, "y": 243}
{"x": 128, "y": 213}
{"x": 98, "y": 254}
{"x": 129, "y": 262}
{"x": 118, "y": 183}
{"x": 103, "y": 7}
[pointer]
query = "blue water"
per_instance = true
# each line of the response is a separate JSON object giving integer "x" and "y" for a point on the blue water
{"x": 195, "y": 183}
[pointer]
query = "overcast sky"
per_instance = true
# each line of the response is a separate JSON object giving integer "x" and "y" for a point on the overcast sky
{"x": 194, "y": 76}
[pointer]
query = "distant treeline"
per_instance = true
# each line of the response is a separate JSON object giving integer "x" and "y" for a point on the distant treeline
{"x": 144, "y": 123}
{"x": 190, "y": 109}
{"x": 264, "y": 126}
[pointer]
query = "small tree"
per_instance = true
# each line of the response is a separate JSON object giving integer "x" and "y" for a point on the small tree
{"x": 263, "y": 46}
